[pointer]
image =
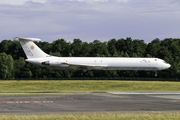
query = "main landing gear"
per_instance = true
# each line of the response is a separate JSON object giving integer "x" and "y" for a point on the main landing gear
{"x": 155, "y": 73}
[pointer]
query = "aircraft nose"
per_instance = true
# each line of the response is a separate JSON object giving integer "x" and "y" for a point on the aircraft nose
{"x": 168, "y": 66}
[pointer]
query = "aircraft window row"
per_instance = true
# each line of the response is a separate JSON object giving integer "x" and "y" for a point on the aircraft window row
{"x": 144, "y": 61}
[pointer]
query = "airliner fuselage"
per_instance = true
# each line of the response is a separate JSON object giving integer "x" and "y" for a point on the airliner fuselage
{"x": 36, "y": 56}
{"x": 100, "y": 63}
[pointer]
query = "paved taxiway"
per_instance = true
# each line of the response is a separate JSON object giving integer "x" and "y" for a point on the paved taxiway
{"x": 110, "y": 102}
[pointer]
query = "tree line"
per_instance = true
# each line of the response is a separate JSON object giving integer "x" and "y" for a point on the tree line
{"x": 13, "y": 65}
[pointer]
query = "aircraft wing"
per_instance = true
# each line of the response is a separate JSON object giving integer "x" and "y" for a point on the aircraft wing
{"x": 85, "y": 66}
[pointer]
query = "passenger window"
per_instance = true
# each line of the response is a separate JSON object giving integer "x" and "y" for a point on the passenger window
{"x": 143, "y": 61}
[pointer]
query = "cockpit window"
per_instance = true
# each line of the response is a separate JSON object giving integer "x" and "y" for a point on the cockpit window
{"x": 164, "y": 61}
{"x": 161, "y": 60}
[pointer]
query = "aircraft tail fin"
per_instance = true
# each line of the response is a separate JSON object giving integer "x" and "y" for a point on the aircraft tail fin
{"x": 30, "y": 48}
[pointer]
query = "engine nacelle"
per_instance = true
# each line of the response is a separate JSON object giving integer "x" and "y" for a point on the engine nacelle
{"x": 45, "y": 63}
{"x": 53, "y": 63}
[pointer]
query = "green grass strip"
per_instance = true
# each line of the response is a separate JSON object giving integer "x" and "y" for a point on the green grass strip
{"x": 88, "y": 86}
{"x": 144, "y": 116}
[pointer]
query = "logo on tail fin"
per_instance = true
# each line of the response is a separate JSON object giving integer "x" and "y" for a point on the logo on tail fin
{"x": 32, "y": 47}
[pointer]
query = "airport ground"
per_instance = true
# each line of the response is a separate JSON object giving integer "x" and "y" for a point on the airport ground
{"x": 90, "y": 100}
{"x": 87, "y": 86}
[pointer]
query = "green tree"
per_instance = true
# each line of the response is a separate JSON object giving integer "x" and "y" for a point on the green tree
{"x": 139, "y": 47}
{"x": 154, "y": 47}
{"x": 45, "y": 46}
{"x": 26, "y": 73}
{"x": 61, "y": 46}
{"x": 13, "y": 48}
{"x": 76, "y": 47}
{"x": 99, "y": 49}
{"x": 6, "y": 66}
{"x": 125, "y": 54}
{"x": 86, "y": 49}
{"x": 112, "y": 47}
{"x": 18, "y": 66}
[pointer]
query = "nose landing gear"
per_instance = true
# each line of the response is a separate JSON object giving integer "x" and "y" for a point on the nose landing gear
{"x": 156, "y": 73}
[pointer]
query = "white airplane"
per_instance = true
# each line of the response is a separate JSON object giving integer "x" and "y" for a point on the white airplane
{"x": 36, "y": 56}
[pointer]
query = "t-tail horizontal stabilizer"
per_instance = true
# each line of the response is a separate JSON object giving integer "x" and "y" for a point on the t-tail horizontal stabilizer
{"x": 30, "y": 48}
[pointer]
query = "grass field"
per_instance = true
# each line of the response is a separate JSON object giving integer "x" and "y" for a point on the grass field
{"x": 88, "y": 86}
{"x": 157, "y": 116}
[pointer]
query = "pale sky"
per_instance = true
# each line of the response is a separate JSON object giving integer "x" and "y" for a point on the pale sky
{"x": 90, "y": 20}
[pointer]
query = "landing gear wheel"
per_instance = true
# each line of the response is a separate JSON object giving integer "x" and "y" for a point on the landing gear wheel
{"x": 155, "y": 73}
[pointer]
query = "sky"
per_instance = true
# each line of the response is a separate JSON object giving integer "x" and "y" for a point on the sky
{"x": 90, "y": 20}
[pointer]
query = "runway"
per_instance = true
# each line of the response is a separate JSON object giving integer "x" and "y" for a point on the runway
{"x": 105, "y": 102}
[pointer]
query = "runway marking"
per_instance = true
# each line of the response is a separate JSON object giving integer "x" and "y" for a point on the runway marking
{"x": 26, "y": 101}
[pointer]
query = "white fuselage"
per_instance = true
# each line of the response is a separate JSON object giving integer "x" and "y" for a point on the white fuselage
{"x": 36, "y": 56}
{"x": 100, "y": 63}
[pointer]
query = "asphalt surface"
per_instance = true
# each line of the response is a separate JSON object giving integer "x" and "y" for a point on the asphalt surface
{"x": 93, "y": 103}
